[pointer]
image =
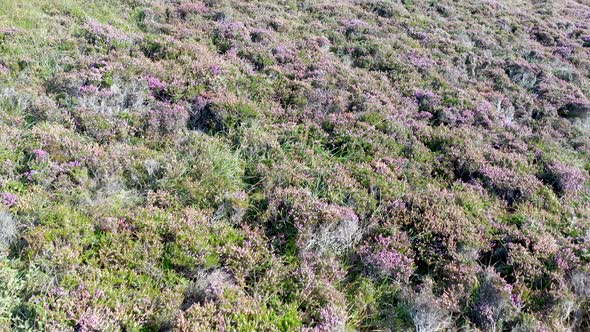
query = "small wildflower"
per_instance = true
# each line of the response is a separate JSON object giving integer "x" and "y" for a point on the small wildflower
{"x": 423, "y": 115}
{"x": 563, "y": 51}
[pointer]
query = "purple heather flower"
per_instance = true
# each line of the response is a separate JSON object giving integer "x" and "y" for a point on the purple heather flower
{"x": 200, "y": 103}
{"x": 155, "y": 84}
{"x": 331, "y": 319}
{"x": 419, "y": 61}
{"x": 88, "y": 89}
{"x": 232, "y": 30}
{"x": 564, "y": 51}
{"x": 215, "y": 70}
{"x": 75, "y": 163}
{"x": 40, "y": 154}
{"x": 168, "y": 118}
{"x": 487, "y": 312}
{"x": 4, "y": 69}
{"x": 89, "y": 321}
{"x": 105, "y": 93}
{"x": 568, "y": 180}
{"x": 215, "y": 288}
{"x": 283, "y": 53}
{"x": 382, "y": 254}
{"x": 397, "y": 204}
{"x": 232, "y": 53}
{"x": 483, "y": 114}
{"x": 566, "y": 259}
{"x": 516, "y": 300}
{"x": 8, "y": 199}
{"x": 423, "y": 115}
{"x": 104, "y": 32}
{"x": 95, "y": 74}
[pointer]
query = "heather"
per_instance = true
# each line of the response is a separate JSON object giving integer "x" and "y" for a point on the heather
{"x": 294, "y": 165}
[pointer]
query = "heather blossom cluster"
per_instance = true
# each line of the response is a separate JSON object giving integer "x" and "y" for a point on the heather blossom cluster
{"x": 97, "y": 32}
{"x": 89, "y": 89}
{"x": 426, "y": 100}
{"x": 331, "y": 319}
{"x": 567, "y": 180}
{"x": 509, "y": 184}
{"x": 167, "y": 118}
{"x": 40, "y": 154}
{"x": 385, "y": 255}
{"x": 155, "y": 84}
{"x": 419, "y": 61}
{"x": 283, "y": 53}
{"x": 8, "y": 199}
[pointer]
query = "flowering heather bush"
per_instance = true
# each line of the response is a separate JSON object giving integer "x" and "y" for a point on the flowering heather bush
{"x": 427, "y": 99}
{"x": 339, "y": 165}
{"x": 508, "y": 184}
{"x": 98, "y": 34}
{"x": 167, "y": 119}
{"x": 567, "y": 180}
{"x": 155, "y": 84}
{"x": 331, "y": 319}
{"x": 383, "y": 254}
{"x": 8, "y": 199}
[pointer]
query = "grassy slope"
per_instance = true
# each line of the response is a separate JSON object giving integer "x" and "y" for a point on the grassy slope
{"x": 294, "y": 165}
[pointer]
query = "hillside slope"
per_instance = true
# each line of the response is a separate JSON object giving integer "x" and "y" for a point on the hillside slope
{"x": 294, "y": 165}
